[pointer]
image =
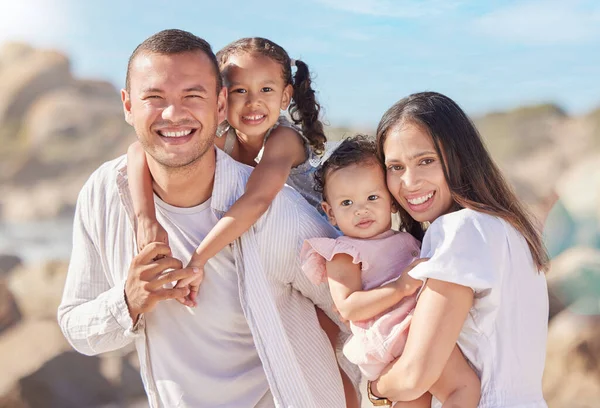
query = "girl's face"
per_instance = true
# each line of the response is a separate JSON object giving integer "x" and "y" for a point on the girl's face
{"x": 358, "y": 201}
{"x": 414, "y": 173}
{"x": 256, "y": 93}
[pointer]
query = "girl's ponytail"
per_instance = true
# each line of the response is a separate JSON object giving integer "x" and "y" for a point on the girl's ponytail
{"x": 305, "y": 109}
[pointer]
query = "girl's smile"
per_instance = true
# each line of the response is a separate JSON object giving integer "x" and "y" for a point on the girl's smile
{"x": 257, "y": 93}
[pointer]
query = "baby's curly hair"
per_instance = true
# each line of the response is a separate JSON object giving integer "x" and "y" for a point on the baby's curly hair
{"x": 359, "y": 149}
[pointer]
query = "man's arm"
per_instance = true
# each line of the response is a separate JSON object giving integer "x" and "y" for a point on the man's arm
{"x": 93, "y": 314}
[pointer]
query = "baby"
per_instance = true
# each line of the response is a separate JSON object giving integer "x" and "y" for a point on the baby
{"x": 367, "y": 267}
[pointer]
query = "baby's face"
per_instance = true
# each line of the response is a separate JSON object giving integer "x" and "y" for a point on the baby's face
{"x": 358, "y": 200}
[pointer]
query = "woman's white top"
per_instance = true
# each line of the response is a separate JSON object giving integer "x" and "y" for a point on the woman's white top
{"x": 504, "y": 336}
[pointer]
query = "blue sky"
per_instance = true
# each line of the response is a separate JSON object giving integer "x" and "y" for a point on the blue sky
{"x": 365, "y": 54}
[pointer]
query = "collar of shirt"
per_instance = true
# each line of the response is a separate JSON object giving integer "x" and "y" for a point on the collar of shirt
{"x": 230, "y": 178}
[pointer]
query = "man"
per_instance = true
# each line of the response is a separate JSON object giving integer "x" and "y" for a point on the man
{"x": 254, "y": 339}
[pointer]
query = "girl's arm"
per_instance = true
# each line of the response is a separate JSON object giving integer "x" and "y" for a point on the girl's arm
{"x": 140, "y": 186}
{"x": 282, "y": 151}
{"x": 437, "y": 321}
{"x": 355, "y": 304}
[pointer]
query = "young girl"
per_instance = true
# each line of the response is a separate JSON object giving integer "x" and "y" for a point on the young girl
{"x": 258, "y": 75}
{"x": 483, "y": 285}
{"x": 362, "y": 268}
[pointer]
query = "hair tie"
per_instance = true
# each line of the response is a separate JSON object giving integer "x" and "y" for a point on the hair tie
{"x": 329, "y": 149}
{"x": 292, "y": 62}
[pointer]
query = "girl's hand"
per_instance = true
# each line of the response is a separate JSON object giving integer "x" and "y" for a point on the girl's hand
{"x": 149, "y": 230}
{"x": 192, "y": 283}
{"x": 405, "y": 283}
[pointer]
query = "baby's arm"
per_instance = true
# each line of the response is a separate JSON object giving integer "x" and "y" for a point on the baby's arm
{"x": 281, "y": 153}
{"x": 140, "y": 186}
{"x": 355, "y": 304}
{"x": 458, "y": 386}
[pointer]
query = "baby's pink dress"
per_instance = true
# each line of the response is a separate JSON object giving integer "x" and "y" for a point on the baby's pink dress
{"x": 376, "y": 342}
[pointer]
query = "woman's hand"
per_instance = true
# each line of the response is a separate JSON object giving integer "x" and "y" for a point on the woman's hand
{"x": 405, "y": 283}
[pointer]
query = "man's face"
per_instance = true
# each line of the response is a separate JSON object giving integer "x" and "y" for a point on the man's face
{"x": 173, "y": 106}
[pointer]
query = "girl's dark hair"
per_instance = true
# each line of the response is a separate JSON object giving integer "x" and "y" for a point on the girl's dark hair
{"x": 304, "y": 108}
{"x": 359, "y": 149}
{"x": 473, "y": 178}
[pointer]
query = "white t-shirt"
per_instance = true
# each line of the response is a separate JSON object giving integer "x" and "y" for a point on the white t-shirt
{"x": 504, "y": 336}
{"x": 203, "y": 356}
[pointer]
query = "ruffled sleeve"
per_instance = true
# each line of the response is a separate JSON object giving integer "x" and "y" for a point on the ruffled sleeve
{"x": 316, "y": 252}
{"x": 465, "y": 247}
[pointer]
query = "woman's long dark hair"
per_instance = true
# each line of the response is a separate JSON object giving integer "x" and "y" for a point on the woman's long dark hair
{"x": 304, "y": 108}
{"x": 473, "y": 178}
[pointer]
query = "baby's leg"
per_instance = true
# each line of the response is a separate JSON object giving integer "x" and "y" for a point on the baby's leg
{"x": 458, "y": 386}
{"x": 424, "y": 401}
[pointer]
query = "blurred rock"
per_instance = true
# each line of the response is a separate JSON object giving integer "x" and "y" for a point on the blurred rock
{"x": 68, "y": 128}
{"x": 520, "y": 132}
{"x": 8, "y": 263}
{"x": 25, "y": 74}
{"x": 38, "y": 288}
{"x": 40, "y": 370}
{"x": 14, "y": 51}
{"x": 44, "y": 200}
{"x": 534, "y": 145}
{"x": 54, "y": 131}
{"x": 574, "y": 275}
{"x": 572, "y": 375}
{"x": 9, "y": 311}
{"x": 26, "y": 347}
{"x": 579, "y": 188}
{"x": 559, "y": 230}
{"x": 575, "y": 218}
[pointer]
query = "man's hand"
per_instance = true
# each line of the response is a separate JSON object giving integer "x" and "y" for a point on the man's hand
{"x": 146, "y": 279}
{"x": 405, "y": 283}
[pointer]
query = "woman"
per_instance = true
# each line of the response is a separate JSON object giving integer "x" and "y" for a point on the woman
{"x": 484, "y": 287}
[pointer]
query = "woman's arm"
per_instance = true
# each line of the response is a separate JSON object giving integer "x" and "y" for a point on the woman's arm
{"x": 280, "y": 154}
{"x": 441, "y": 311}
{"x": 140, "y": 186}
{"x": 356, "y": 304}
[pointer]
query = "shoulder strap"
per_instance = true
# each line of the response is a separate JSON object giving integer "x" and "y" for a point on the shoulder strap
{"x": 229, "y": 141}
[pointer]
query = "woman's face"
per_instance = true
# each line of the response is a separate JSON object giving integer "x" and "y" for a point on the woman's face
{"x": 414, "y": 173}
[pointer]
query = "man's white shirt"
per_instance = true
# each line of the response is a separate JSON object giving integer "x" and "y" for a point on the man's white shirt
{"x": 276, "y": 298}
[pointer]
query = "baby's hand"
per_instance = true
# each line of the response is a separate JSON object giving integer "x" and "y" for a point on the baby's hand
{"x": 406, "y": 284}
{"x": 149, "y": 230}
{"x": 193, "y": 283}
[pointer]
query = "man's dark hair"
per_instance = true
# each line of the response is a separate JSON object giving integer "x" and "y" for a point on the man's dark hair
{"x": 170, "y": 42}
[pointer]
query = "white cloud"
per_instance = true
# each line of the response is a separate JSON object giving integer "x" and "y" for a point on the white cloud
{"x": 542, "y": 23}
{"x": 36, "y": 21}
{"x": 393, "y": 8}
